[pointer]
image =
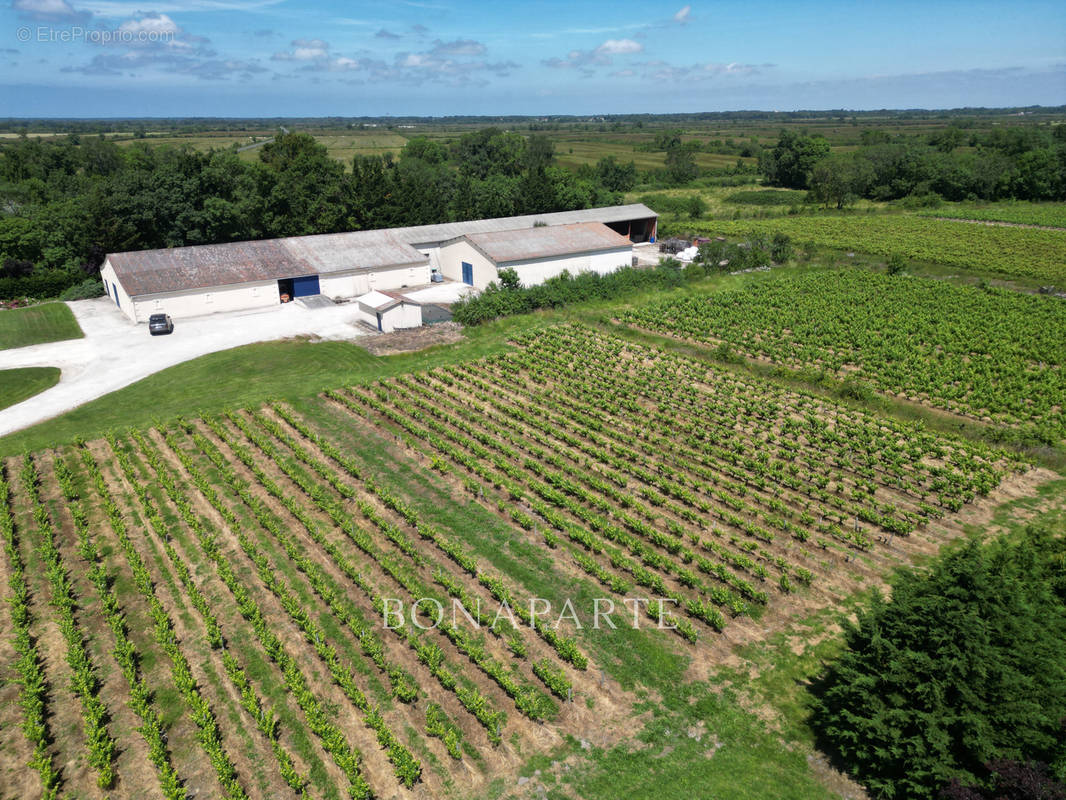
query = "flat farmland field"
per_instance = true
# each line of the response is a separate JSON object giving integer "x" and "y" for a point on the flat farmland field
{"x": 199, "y": 608}
{"x": 573, "y": 152}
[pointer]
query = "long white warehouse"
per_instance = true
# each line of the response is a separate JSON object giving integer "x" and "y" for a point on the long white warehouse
{"x": 192, "y": 281}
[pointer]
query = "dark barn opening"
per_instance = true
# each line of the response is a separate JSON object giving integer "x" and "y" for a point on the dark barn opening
{"x": 638, "y": 230}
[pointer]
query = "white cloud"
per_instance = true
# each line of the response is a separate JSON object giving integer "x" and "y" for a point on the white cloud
{"x": 600, "y": 57}
{"x": 664, "y": 72}
{"x": 150, "y": 24}
{"x": 618, "y": 47}
{"x": 305, "y": 50}
{"x": 682, "y": 15}
{"x": 49, "y": 10}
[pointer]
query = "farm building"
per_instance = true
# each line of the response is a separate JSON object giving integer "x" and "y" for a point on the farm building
{"x": 204, "y": 279}
{"x": 536, "y": 254}
{"x": 389, "y": 311}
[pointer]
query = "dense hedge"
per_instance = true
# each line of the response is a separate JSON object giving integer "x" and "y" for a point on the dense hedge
{"x": 501, "y": 301}
{"x": 49, "y": 284}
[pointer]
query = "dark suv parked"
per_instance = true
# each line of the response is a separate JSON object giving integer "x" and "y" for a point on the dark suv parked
{"x": 160, "y": 323}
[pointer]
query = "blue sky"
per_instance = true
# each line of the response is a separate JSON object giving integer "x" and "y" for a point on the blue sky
{"x": 440, "y": 57}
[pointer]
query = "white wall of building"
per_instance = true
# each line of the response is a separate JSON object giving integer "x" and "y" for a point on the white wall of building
{"x": 354, "y": 284}
{"x": 403, "y": 315}
{"x": 534, "y": 271}
{"x": 113, "y": 287}
{"x": 212, "y": 300}
{"x": 530, "y": 272}
{"x": 453, "y": 255}
{"x": 260, "y": 294}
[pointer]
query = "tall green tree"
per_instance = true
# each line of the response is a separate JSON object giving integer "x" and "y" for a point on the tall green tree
{"x": 965, "y": 664}
{"x": 838, "y": 181}
{"x": 791, "y": 160}
{"x": 681, "y": 165}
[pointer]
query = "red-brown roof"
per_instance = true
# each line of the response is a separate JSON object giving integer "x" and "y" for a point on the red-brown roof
{"x": 524, "y": 244}
{"x": 180, "y": 268}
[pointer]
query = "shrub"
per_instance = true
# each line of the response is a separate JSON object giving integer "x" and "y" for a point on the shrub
{"x": 495, "y": 302}
{"x": 896, "y": 264}
{"x": 854, "y": 389}
{"x": 86, "y": 290}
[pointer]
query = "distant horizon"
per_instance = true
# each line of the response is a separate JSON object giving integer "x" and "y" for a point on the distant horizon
{"x": 588, "y": 116}
{"x": 437, "y": 58}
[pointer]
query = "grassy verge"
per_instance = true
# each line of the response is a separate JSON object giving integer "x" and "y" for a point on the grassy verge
{"x": 18, "y": 384}
{"x": 48, "y": 322}
{"x": 741, "y": 734}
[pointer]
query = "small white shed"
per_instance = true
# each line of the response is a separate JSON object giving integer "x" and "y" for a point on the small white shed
{"x": 389, "y": 311}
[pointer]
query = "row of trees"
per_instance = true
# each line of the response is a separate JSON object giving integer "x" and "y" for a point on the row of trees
{"x": 1026, "y": 163}
{"x": 65, "y": 205}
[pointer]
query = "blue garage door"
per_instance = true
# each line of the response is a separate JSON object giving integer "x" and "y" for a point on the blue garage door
{"x": 305, "y": 287}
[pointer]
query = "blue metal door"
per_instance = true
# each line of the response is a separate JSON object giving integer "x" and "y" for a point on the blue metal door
{"x": 305, "y": 287}
{"x": 468, "y": 274}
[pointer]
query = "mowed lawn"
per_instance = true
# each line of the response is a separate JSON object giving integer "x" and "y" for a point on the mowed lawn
{"x": 18, "y": 384}
{"x": 48, "y": 322}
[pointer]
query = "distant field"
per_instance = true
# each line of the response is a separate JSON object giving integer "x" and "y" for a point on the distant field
{"x": 48, "y": 322}
{"x": 341, "y": 146}
{"x": 1048, "y": 214}
{"x": 573, "y": 153}
{"x": 727, "y": 202}
{"x": 1014, "y": 252}
{"x": 344, "y": 146}
{"x": 200, "y": 142}
{"x": 17, "y": 385}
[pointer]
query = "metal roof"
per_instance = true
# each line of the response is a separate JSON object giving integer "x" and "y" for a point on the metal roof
{"x": 523, "y": 244}
{"x": 434, "y": 234}
{"x": 201, "y": 266}
{"x": 198, "y": 267}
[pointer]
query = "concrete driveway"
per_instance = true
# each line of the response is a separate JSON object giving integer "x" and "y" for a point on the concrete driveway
{"x": 116, "y": 353}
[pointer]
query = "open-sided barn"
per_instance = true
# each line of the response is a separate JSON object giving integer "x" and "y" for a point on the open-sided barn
{"x": 191, "y": 281}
